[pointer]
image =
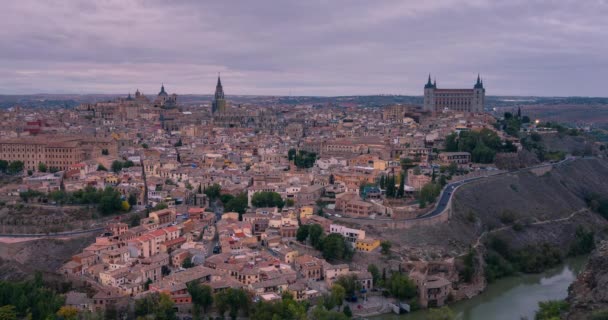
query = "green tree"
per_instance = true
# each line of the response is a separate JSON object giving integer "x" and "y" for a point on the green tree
{"x": 165, "y": 308}
{"x": 213, "y": 191}
{"x": 110, "y": 201}
{"x": 303, "y": 159}
{"x": 347, "y": 312}
{"x": 146, "y": 304}
{"x": 232, "y": 300}
{"x": 267, "y": 199}
{"x": 287, "y": 308}
{"x": 3, "y": 165}
{"x": 320, "y": 313}
{"x": 584, "y": 242}
{"x": 349, "y": 283}
{"x": 132, "y": 199}
{"x": 15, "y": 167}
{"x": 202, "y": 295}
{"x": 117, "y": 166}
{"x": 551, "y": 310}
{"x": 315, "y": 232}
{"x": 429, "y": 192}
{"x": 443, "y": 313}
{"x": 290, "y": 202}
{"x": 237, "y": 204}
{"x": 25, "y": 298}
{"x": 401, "y": 190}
{"x": 159, "y": 206}
{"x": 334, "y": 246}
{"x": 385, "y": 247}
{"x": 67, "y": 313}
{"x": 100, "y": 167}
{"x": 338, "y": 293}
{"x": 302, "y": 233}
{"x": 42, "y": 167}
{"x": 224, "y": 198}
{"x": 401, "y": 287}
{"x": 375, "y": 272}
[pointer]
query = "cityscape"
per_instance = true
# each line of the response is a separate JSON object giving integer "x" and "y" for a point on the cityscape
{"x": 458, "y": 196}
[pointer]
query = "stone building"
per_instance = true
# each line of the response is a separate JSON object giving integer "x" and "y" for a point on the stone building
{"x": 59, "y": 152}
{"x": 466, "y": 100}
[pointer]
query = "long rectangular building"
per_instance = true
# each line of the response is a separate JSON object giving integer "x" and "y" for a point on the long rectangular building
{"x": 58, "y": 152}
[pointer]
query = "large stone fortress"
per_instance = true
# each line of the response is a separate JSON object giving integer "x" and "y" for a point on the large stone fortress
{"x": 467, "y": 100}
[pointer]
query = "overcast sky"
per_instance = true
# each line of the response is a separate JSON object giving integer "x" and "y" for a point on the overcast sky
{"x": 304, "y": 47}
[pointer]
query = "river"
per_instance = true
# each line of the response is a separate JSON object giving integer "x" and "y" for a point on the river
{"x": 511, "y": 298}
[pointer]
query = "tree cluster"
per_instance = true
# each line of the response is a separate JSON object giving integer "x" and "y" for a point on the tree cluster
{"x": 333, "y": 246}
{"x": 118, "y": 165}
{"x": 429, "y": 193}
{"x": 401, "y": 286}
{"x": 160, "y": 306}
{"x": 13, "y": 167}
{"x": 302, "y": 159}
{"x": 483, "y": 145}
{"x": 268, "y": 199}
{"x": 233, "y": 301}
{"x": 108, "y": 200}
{"x": 287, "y": 308}
{"x": 202, "y": 297}
{"x": 213, "y": 191}
{"x": 388, "y": 183}
{"x": 28, "y": 299}
{"x": 235, "y": 204}
{"x": 502, "y": 260}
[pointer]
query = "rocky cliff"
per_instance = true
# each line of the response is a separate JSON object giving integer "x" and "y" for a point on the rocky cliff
{"x": 588, "y": 295}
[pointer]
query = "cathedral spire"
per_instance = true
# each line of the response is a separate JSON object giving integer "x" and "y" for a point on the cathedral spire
{"x": 479, "y": 83}
{"x": 428, "y": 84}
{"x": 219, "y": 104}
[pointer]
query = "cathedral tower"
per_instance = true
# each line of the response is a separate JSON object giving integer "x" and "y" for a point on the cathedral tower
{"x": 219, "y": 103}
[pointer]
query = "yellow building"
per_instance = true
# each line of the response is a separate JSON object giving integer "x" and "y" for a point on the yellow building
{"x": 111, "y": 179}
{"x": 306, "y": 211}
{"x": 380, "y": 165}
{"x": 367, "y": 244}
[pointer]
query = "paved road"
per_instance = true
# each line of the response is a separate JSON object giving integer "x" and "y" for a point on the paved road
{"x": 449, "y": 190}
{"x": 52, "y": 235}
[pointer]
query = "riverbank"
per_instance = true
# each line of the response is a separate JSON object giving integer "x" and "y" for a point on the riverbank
{"x": 512, "y": 297}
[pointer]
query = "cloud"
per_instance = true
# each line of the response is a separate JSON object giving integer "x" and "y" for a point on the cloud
{"x": 338, "y": 47}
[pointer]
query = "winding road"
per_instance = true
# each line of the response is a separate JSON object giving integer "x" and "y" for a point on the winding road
{"x": 448, "y": 191}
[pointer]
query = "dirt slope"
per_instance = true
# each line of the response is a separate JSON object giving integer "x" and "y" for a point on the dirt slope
{"x": 523, "y": 197}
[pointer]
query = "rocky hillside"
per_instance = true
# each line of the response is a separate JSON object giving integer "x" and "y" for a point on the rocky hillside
{"x": 588, "y": 295}
{"x": 522, "y": 198}
{"x": 20, "y": 260}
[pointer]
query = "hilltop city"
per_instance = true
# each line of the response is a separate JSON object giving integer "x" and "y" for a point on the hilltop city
{"x": 218, "y": 207}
